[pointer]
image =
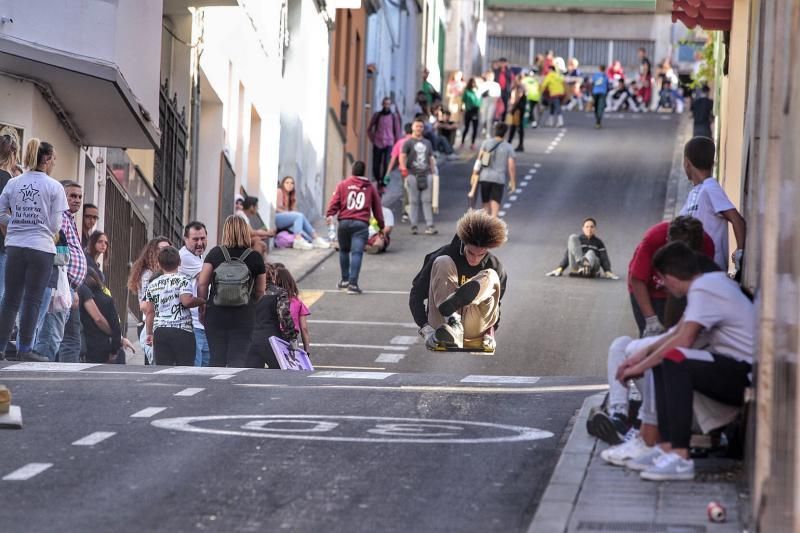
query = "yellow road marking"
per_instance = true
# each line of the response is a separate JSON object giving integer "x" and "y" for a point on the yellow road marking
{"x": 310, "y": 297}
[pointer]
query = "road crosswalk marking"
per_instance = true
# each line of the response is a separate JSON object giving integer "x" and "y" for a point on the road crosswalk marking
{"x": 189, "y": 391}
{"x": 404, "y": 339}
{"x": 26, "y": 472}
{"x": 94, "y": 438}
{"x": 390, "y": 358}
{"x": 351, "y": 375}
{"x": 478, "y": 378}
{"x": 148, "y": 412}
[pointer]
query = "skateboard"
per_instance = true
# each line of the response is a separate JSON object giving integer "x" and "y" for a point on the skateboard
{"x": 289, "y": 358}
{"x": 474, "y": 346}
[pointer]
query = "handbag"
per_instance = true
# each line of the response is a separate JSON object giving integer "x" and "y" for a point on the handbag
{"x": 62, "y": 250}
{"x": 487, "y": 157}
{"x": 422, "y": 182}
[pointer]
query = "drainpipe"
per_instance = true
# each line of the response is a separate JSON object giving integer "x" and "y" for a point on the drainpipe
{"x": 194, "y": 116}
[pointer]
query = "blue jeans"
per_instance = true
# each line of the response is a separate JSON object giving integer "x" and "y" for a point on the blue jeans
{"x": 202, "y": 356}
{"x": 27, "y": 274}
{"x": 353, "y": 235}
{"x": 295, "y": 222}
{"x": 70, "y": 351}
{"x": 50, "y": 329}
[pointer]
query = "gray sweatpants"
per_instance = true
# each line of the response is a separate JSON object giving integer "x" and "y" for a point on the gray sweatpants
{"x": 576, "y": 255}
{"x": 622, "y": 348}
{"x": 420, "y": 199}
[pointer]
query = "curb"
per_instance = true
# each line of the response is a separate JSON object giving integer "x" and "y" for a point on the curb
{"x": 561, "y": 495}
{"x": 677, "y": 184}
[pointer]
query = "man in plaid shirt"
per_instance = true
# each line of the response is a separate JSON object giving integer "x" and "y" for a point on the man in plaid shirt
{"x": 60, "y": 333}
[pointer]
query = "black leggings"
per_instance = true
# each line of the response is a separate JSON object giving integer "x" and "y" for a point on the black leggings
{"x": 517, "y": 129}
{"x": 470, "y": 117}
{"x": 229, "y": 347}
{"x": 677, "y": 377}
{"x": 173, "y": 347}
{"x": 27, "y": 274}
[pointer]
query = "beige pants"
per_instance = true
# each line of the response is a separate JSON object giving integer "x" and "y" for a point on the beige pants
{"x": 477, "y": 317}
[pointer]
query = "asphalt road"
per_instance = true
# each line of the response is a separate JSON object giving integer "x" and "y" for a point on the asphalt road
{"x": 549, "y": 326}
{"x": 110, "y": 448}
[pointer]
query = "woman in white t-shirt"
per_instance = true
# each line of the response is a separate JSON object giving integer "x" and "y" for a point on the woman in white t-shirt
{"x": 31, "y": 207}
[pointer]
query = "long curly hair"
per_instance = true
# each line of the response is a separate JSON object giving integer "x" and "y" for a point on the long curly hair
{"x": 91, "y": 248}
{"x": 147, "y": 260}
{"x": 478, "y": 228}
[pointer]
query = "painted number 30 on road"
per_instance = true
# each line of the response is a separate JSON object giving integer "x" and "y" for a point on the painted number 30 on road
{"x": 353, "y": 428}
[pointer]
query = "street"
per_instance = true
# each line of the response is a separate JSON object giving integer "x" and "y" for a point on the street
{"x": 384, "y": 435}
{"x": 549, "y": 326}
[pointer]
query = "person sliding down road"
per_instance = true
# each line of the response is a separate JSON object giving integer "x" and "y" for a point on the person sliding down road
{"x": 463, "y": 284}
{"x": 586, "y": 255}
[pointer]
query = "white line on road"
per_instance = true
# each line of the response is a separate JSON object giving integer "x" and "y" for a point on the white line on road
{"x": 532, "y": 171}
{"x": 501, "y": 214}
{"x": 528, "y": 178}
{"x": 513, "y": 197}
{"x": 50, "y": 367}
{"x": 351, "y": 375}
{"x": 365, "y": 323}
{"x": 405, "y": 339}
{"x": 506, "y": 205}
{"x": 390, "y": 358}
{"x": 537, "y": 165}
{"x": 441, "y": 388}
{"x": 148, "y": 412}
{"x": 524, "y": 183}
{"x": 352, "y": 367}
{"x": 477, "y": 378}
{"x": 224, "y": 376}
{"x": 548, "y": 151}
{"x": 94, "y": 438}
{"x": 199, "y": 370}
{"x": 365, "y": 292}
{"x": 190, "y": 391}
{"x": 362, "y": 346}
{"x": 27, "y": 471}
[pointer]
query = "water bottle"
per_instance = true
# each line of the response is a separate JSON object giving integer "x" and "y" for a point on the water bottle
{"x": 332, "y": 232}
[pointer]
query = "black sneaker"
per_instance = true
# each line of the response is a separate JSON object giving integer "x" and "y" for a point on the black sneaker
{"x": 463, "y": 296}
{"x": 2, "y": 357}
{"x": 342, "y": 285}
{"x": 33, "y": 357}
{"x": 451, "y": 333}
{"x": 353, "y": 289}
{"x": 611, "y": 429}
{"x": 414, "y": 230}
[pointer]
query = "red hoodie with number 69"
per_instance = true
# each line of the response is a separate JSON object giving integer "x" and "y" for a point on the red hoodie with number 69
{"x": 356, "y": 199}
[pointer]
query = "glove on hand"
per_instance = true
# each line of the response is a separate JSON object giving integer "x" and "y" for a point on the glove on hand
{"x": 426, "y": 331}
{"x": 652, "y": 327}
{"x": 557, "y": 272}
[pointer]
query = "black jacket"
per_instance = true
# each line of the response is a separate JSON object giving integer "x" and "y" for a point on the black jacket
{"x": 590, "y": 244}
{"x": 420, "y": 287}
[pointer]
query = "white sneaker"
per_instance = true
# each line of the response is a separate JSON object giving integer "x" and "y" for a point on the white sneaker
{"x": 302, "y": 244}
{"x": 645, "y": 460}
{"x": 319, "y": 242}
{"x": 621, "y": 453}
{"x": 670, "y": 467}
{"x": 559, "y": 121}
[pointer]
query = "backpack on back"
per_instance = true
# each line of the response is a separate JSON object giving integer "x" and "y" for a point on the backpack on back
{"x": 233, "y": 282}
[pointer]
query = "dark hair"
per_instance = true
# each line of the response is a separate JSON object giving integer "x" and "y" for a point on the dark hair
{"x": 687, "y": 229}
{"x": 147, "y": 260}
{"x": 641, "y": 49}
{"x": 500, "y": 129}
{"x": 169, "y": 258}
{"x": 503, "y": 59}
{"x": 70, "y": 184}
{"x": 284, "y": 280}
{"x": 472, "y": 83}
{"x": 419, "y": 118}
{"x": 290, "y": 199}
{"x": 407, "y": 128}
{"x": 601, "y": 68}
{"x": 92, "y": 243}
{"x": 676, "y": 259}
{"x": 587, "y": 219}
{"x": 93, "y": 279}
{"x": 359, "y": 169}
{"x": 89, "y": 206}
{"x": 700, "y": 152}
{"x": 193, "y": 225}
{"x": 250, "y": 201}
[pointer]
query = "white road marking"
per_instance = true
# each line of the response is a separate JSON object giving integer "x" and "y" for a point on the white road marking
{"x": 513, "y": 197}
{"x": 477, "y": 378}
{"x": 362, "y": 346}
{"x": 524, "y": 183}
{"x": 501, "y": 214}
{"x": 537, "y": 165}
{"x": 390, "y": 358}
{"x": 506, "y": 205}
{"x": 94, "y": 438}
{"x": 199, "y": 370}
{"x": 405, "y": 339}
{"x": 365, "y": 292}
{"x": 224, "y": 376}
{"x": 445, "y": 388}
{"x": 365, "y": 323}
{"x": 352, "y": 367}
{"x": 26, "y": 472}
{"x": 148, "y": 412}
{"x": 351, "y": 375}
{"x": 49, "y": 367}
{"x": 190, "y": 391}
{"x": 532, "y": 171}
{"x": 528, "y": 178}
{"x": 548, "y": 151}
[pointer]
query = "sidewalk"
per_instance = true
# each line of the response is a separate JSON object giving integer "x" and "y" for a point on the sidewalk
{"x": 586, "y": 494}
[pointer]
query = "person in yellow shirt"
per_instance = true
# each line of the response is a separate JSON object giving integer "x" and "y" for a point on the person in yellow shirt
{"x": 553, "y": 87}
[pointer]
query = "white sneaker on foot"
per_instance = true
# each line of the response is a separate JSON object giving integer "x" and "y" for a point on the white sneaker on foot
{"x": 302, "y": 244}
{"x": 319, "y": 242}
{"x": 670, "y": 467}
{"x": 621, "y": 453}
{"x": 645, "y": 460}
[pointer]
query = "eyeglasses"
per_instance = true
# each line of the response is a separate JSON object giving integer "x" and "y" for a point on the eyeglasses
{"x": 91, "y": 217}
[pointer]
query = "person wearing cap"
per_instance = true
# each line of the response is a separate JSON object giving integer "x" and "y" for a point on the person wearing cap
{"x": 463, "y": 283}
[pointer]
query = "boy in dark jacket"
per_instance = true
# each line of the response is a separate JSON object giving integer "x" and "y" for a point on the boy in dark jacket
{"x": 586, "y": 255}
{"x": 355, "y": 201}
{"x": 463, "y": 284}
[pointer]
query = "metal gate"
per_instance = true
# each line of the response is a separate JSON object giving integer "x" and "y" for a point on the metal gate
{"x": 127, "y": 233}
{"x": 170, "y": 166}
{"x": 515, "y": 49}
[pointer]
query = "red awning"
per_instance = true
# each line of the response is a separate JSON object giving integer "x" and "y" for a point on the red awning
{"x": 708, "y": 14}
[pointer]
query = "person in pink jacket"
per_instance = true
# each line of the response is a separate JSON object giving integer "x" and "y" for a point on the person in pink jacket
{"x": 355, "y": 201}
